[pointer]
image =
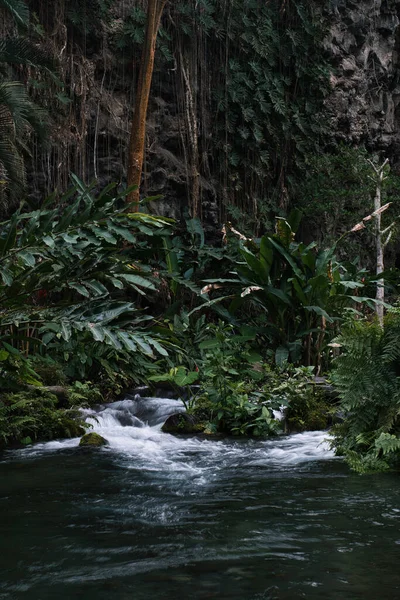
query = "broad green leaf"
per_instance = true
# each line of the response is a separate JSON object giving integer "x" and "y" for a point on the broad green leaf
{"x": 104, "y": 234}
{"x": 258, "y": 270}
{"x": 142, "y": 344}
{"x": 98, "y": 288}
{"x": 289, "y": 259}
{"x": 80, "y": 289}
{"x": 163, "y": 377}
{"x": 209, "y": 344}
{"x": 27, "y": 258}
{"x": 266, "y": 255}
{"x": 279, "y": 294}
{"x": 97, "y": 332}
{"x": 299, "y": 291}
{"x": 294, "y": 219}
{"x": 351, "y": 285}
{"x": 281, "y": 356}
{"x": 66, "y": 331}
{"x": 183, "y": 378}
{"x": 319, "y": 311}
{"x": 117, "y": 283}
{"x": 122, "y": 232}
{"x": 4, "y": 355}
{"x": 48, "y": 337}
{"x": 68, "y": 238}
{"x": 138, "y": 280}
{"x": 126, "y": 339}
{"x": 111, "y": 338}
{"x": 158, "y": 347}
{"x": 49, "y": 241}
{"x": 6, "y": 276}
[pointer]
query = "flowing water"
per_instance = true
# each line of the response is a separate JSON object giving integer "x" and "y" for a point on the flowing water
{"x": 158, "y": 517}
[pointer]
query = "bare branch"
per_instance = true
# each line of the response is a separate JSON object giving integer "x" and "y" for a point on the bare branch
{"x": 385, "y": 243}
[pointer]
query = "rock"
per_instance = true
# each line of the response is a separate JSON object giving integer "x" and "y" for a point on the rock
{"x": 92, "y": 440}
{"x": 364, "y": 46}
{"x": 183, "y": 423}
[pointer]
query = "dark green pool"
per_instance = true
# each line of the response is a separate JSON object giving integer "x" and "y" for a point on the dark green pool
{"x": 155, "y": 517}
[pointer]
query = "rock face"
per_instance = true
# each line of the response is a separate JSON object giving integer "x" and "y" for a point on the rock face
{"x": 364, "y": 50}
{"x": 92, "y": 440}
{"x": 363, "y": 47}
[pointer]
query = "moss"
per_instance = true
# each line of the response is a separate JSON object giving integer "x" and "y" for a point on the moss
{"x": 34, "y": 415}
{"x": 308, "y": 413}
{"x": 203, "y": 409}
{"x": 92, "y": 440}
{"x": 183, "y": 423}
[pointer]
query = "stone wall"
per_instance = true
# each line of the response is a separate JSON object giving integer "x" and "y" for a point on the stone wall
{"x": 363, "y": 109}
{"x": 364, "y": 49}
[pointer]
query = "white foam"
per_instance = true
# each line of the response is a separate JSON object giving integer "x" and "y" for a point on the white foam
{"x": 133, "y": 431}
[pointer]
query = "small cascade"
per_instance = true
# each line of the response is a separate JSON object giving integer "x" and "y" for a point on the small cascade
{"x": 132, "y": 428}
{"x": 134, "y": 412}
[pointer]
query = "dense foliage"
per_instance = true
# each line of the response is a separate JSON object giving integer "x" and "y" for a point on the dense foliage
{"x": 238, "y": 324}
{"x": 366, "y": 375}
{"x": 246, "y": 122}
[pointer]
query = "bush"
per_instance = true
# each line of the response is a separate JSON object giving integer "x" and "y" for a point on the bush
{"x": 294, "y": 388}
{"x": 33, "y": 415}
{"x": 366, "y": 376}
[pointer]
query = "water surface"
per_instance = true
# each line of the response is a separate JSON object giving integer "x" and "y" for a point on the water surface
{"x": 158, "y": 517}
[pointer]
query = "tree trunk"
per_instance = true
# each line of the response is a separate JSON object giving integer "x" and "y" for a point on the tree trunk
{"x": 380, "y": 284}
{"x": 380, "y": 244}
{"x": 138, "y": 130}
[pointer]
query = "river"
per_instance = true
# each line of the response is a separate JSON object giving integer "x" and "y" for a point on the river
{"x": 156, "y": 517}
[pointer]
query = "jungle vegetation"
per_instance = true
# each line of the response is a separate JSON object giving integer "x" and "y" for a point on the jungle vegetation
{"x": 221, "y": 285}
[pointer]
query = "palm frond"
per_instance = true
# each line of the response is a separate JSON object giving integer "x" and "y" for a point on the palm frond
{"x": 25, "y": 113}
{"x": 21, "y": 51}
{"x": 18, "y": 9}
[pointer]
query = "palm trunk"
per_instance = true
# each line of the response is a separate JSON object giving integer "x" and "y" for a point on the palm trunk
{"x": 138, "y": 130}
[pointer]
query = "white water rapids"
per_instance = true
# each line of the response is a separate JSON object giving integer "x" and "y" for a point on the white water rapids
{"x": 132, "y": 428}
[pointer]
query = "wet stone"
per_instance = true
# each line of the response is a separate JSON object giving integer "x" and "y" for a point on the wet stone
{"x": 92, "y": 440}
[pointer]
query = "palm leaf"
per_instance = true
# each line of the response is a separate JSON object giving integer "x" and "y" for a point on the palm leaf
{"x": 18, "y": 9}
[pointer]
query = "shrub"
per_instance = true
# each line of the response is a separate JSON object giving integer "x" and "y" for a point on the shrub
{"x": 366, "y": 375}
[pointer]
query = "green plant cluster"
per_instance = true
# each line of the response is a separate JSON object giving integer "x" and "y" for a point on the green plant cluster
{"x": 307, "y": 408}
{"x": 240, "y": 394}
{"x": 268, "y": 85}
{"x": 80, "y": 278}
{"x": 228, "y": 381}
{"x": 366, "y": 375}
{"x": 336, "y": 193}
{"x": 63, "y": 268}
{"x": 268, "y": 94}
{"x": 33, "y": 415}
{"x": 296, "y": 294}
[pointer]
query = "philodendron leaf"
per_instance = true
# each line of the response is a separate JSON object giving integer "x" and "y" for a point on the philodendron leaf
{"x": 163, "y": 377}
{"x": 183, "y": 378}
{"x": 281, "y": 356}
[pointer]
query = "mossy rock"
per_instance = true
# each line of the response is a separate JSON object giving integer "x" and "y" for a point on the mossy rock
{"x": 312, "y": 418}
{"x": 183, "y": 423}
{"x": 92, "y": 440}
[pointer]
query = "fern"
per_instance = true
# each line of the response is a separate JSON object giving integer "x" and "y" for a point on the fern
{"x": 366, "y": 376}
